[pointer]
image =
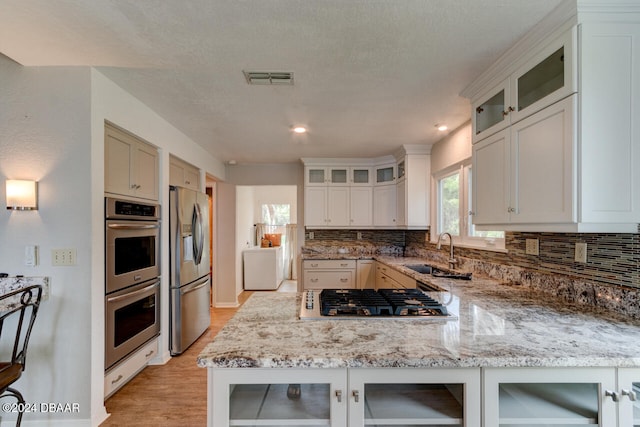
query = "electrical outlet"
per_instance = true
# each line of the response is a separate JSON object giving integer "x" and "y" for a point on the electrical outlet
{"x": 532, "y": 247}
{"x": 359, "y": 235}
{"x": 63, "y": 257}
{"x": 311, "y": 236}
{"x": 581, "y": 252}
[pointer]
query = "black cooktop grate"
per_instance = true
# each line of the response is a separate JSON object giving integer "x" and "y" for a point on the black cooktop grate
{"x": 383, "y": 302}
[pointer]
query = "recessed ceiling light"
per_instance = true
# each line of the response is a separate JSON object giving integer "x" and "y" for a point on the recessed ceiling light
{"x": 300, "y": 129}
{"x": 442, "y": 128}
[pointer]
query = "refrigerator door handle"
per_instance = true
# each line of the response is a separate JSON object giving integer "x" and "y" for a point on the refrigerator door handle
{"x": 193, "y": 289}
{"x": 198, "y": 234}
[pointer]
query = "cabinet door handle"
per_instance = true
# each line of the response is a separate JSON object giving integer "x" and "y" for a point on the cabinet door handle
{"x": 314, "y": 280}
{"x": 343, "y": 265}
{"x": 117, "y": 379}
{"x": 630, "y": 393}
{"x": 344, "y": 280}
{"x": 511, "y": 210}
{"x": 614, "y": 396}
{"x": 356, "y": 396}
{"x": 507, "y": 111}
{"x": 339, "y": 395}
{"x": 314, "y": 265}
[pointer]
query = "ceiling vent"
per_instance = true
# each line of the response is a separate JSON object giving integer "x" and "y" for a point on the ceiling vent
{"x": 268, "y": 78}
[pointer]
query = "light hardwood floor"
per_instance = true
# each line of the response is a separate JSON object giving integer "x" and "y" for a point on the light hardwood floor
{"x": 173, "y": 394}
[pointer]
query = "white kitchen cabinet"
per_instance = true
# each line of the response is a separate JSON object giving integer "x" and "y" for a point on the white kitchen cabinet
{"x": 248, "y": 397}
{"x": 412, "y": 191}
{"x": 125, "y": 370}
{"x": 344, "y": 397}
{"x": 327, "y": 175}
{"x": 360, "y": 176}
{"x": 384, "y": 205}
{"x": 360, "y": 206}
{"x": 182, "y": 174}
{"x": 414, "y": 397}
{"x": 526, "y": 174}
{"x": 387, "y": 277}
{"x": 546, "y": 75}
{"x": 366, "y": 273}
{"x": 327, "y": 206}
{"x": 628, "y": 396}
{"x": 385, "y": 174}
{"x": 131, "y": 165}
{"x": 329, "y": 274}
{"x": 586, "y": 149}
{"x": 550, "y": 397}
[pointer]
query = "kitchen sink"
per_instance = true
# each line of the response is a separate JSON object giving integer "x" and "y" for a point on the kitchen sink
{"x": 436, "y": 272}
{"x": 420, "y": 268}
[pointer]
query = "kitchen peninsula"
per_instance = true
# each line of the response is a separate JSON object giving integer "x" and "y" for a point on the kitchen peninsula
{"x": 534, "y": 359}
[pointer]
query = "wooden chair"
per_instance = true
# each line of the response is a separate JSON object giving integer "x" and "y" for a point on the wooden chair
{"x": 18, "y": 311}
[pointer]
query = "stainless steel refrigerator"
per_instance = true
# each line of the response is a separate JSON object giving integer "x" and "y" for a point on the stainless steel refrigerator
{"x": 190, "y": 287}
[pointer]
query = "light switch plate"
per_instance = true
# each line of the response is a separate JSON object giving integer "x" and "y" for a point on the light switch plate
{"x": 532, "y": 247}
{"x": 31, "y": 256}
{"x": 63, "y": 257}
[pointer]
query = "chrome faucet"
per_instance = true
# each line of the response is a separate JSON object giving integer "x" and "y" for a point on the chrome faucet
{"x": 452, "y": 260}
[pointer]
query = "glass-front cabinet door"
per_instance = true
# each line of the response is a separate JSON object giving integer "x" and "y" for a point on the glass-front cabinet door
{"x": 414, "y": 397}
{"x": 549, "y": 397}
{"x": 385, "y": 174}
{"x": 339, "y": 175}
{"x": 315, "y": 176}
{"x": 360, "y": 176}
{"x": 629, "y": 396}
{"x": 491, "y": 112}
{"x": 277, "y": 397}
{"x": 546, "y": 78}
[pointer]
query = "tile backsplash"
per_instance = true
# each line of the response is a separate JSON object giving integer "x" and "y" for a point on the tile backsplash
{"x": 612, "y": 259}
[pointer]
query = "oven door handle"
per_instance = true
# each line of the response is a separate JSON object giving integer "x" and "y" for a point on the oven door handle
{"x": 132, "y": 294}
{"x": 132, "y": 227}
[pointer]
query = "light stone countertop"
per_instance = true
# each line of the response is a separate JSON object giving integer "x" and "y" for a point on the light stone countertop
{"x": 9, "y": 284}
{"x": 498, "y": 325}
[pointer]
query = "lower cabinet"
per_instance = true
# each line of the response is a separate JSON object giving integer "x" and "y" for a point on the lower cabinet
{"x": 603, "y": 397}
{"x": 469, "y": 397}
{"x": 387, "y": 277}
{"x": 344, "y": 397}
{"x": 124, "y": 371}
{"x": 329, "y": 274}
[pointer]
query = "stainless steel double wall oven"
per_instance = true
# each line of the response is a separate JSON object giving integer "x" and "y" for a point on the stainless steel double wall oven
{"x": 132, "y": 276}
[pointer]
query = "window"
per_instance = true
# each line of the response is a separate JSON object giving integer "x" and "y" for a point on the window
{"x": 276, "y": 217}
{"x": 454, "y": 206}
{"x": 276, "y": 214}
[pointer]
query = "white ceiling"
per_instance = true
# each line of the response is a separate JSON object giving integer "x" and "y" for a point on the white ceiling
{"x": 370, "y": 75}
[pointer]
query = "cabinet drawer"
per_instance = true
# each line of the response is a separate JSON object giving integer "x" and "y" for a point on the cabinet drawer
{"x": 123, "y": 372}
{"x": 402, "y": 279}
{"x": 329, "y": 279}
{"x": 329, "y": 264}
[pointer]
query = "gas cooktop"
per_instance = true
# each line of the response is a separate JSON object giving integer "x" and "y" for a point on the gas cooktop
{"x": 383, "y": 303}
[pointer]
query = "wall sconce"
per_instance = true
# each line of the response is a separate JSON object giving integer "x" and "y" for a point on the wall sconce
{"x": 22, "y": 195}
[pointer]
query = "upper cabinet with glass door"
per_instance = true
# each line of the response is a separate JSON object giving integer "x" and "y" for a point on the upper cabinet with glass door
{"x": 542, "y": 79}
{"x": 320, "y": 175}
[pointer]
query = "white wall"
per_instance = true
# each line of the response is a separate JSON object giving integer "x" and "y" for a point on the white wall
{"x": 45, "y": 135}
{"x": 275, "y": 194}
{"x": 245, "y": 208}
{"x": 452, "y": 149}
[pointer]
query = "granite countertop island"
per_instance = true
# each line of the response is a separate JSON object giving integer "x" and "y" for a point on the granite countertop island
{"x": 497, "y": 325}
